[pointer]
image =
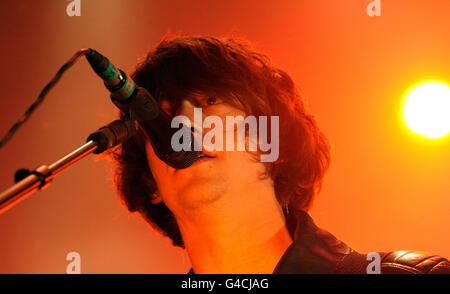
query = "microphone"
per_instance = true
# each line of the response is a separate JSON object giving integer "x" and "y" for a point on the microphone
{"x": 139, "y": 104}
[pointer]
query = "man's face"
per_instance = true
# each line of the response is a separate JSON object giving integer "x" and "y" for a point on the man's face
{"x": 222, "y": 174}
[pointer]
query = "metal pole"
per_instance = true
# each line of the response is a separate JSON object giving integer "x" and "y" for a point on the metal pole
{"x": 41, "y": 177}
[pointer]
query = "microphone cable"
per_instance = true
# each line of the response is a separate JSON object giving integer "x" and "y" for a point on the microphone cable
{"x": 42, "y": 95}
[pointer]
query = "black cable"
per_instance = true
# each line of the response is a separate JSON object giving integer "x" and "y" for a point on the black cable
{"x": 41, "y": 96}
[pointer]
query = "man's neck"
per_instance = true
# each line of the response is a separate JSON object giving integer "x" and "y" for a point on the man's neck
{"x": 238, "y": 234}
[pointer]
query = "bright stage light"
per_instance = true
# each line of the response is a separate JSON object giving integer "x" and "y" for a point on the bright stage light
{"x": 427, "y": 109}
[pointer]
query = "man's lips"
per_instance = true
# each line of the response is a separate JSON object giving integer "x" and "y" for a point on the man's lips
{"x": 200, "y": 158}
{"x": 204, "y": 156}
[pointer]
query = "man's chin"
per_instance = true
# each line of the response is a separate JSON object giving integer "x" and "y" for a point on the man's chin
{"x": 199, "y": 195}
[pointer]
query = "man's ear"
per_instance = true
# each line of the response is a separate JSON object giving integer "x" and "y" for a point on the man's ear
{"x": 156, "y": 198}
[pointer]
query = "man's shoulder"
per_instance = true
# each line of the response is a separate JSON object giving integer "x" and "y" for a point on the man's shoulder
{"x": 414, "y": 262}
{"x": 316, "y": 251}
{"x": 393, "y": 262}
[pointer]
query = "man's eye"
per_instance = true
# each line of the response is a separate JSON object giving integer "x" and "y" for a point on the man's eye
{"x": 211, "y": 101}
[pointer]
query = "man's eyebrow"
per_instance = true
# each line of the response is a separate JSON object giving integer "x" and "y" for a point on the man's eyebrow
{"x": 196, "y": 97}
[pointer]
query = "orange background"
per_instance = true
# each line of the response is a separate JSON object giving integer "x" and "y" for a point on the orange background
{"x": 387, "y": 189}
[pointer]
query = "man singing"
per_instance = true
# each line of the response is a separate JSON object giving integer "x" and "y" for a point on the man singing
{"x": 233, "y": 212}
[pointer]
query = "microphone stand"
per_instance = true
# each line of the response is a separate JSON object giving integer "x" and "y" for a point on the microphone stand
{"x": 28, "y": 182}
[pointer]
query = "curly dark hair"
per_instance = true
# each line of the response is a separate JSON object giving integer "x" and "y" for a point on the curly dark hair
{"x": 180, "y": 66}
